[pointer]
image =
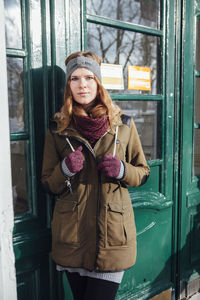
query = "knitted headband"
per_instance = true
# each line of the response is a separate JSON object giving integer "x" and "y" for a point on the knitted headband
{"x": 83, "y": 62}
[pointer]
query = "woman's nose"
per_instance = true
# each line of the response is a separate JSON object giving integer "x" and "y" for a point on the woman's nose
{"x": 83, "y": 82}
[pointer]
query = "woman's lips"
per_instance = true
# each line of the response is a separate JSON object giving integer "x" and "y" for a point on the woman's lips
{"x": 83, "y": 93}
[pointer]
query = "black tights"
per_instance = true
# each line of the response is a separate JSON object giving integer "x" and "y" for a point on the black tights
{"x": 87, "y": 288}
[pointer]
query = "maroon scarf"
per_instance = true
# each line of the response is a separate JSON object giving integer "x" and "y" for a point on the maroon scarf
{"x": 91, "y": 129}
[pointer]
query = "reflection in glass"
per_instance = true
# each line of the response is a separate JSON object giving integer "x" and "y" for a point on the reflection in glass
{"x": 117, "y": 46}
{"x": 141, "y": 12}
{"x": 15, "y": 93}
{"x": 13, "y": 23}
{"x": 196, "y": 152}
{"x": 18, "y": 162}
{"x": 147, "y": 118}
{"x": 36, "y": 31}
{"x": 197, "y": 79}
{"x": 198, "y": 44}
{"x": 197, "y": 101}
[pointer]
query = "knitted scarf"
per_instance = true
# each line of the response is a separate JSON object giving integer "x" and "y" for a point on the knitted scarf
{"x": 91, "y": 129}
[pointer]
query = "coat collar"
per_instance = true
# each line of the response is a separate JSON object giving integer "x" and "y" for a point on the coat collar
{"x": 72, "y": 131}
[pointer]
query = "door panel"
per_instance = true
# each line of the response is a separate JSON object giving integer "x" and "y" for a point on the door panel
{"x": 36, "y": 79}
{"x": 189, "y": 200}
{"x": 152, "y": 45}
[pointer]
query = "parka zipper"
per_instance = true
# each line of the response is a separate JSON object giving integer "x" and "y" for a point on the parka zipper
{"x": 70, "y": 144}
{"x": 99, "y": 194}
{"x": 99, "y": 184}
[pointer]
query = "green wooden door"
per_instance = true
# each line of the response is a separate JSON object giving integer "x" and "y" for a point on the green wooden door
{"x": 39, "y": 35}
{"x": 35, "y": 58}
{"x": 189, "y": 172}
{"x": 162, "y": 35}
{"x": 141, "y": 33}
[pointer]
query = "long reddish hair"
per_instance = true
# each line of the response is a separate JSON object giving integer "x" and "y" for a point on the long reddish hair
{"x": 104, "y": 105}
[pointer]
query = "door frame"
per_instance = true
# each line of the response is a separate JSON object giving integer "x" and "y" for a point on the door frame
{"x": 186, "y": 186}
{"x": 8, "y": 288}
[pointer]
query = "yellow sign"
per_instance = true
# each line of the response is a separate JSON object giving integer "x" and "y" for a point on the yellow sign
{"x": 112, "y": 76}
{"x": 139, "y": 78}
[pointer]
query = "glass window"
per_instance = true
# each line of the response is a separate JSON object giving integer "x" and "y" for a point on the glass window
{"x": 147, "y": 118}
{"x": 197, "y": 101}
{"x": 116, "y": 46}
{"x": 36, "y": 33}
{"x": 15, "y": 93}
{"x": 198, "y": 44}
{"x": 18, "y": 162}
{"x": 141, "y": 12}
{"x": 196, "y": 152}
{"x": 196, "y": 157}
{"x": 197, "y": 79}
{"x": 13, "y": 23}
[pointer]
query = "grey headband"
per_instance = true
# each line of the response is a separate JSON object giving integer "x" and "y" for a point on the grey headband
{"x": 83, "y": 62}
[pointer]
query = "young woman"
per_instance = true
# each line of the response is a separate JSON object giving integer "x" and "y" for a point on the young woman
{"x": 92, "y": 153}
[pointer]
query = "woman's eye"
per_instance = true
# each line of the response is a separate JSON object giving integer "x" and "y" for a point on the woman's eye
{"x": 87, "y": 78}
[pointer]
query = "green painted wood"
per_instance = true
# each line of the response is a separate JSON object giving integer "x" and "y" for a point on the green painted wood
{"x": 193, "y": 199}
{"x": 17, "y": 136}
{"x": 177, "y": 93}
{"x": 153, "y": 203}
{"x": 32, "y": 280}
{"x": 141, "y": 282}
{"x": 126, "y": 97}
{"x": 189, "y": 209}
{"x": 150, "y": 200}
{"x": 43, "y": 91}
{"x": 123, "y": 25}
{"x": 156, "y": 162}
{"x": 16, "y": 53}
{"x": 31, "y": 243}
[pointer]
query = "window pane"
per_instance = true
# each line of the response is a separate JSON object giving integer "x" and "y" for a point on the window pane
{"x": 141, "y": 12}
{"x": 197, "y": 86}
{"x": 147, "y": 118}
{"x": 198, "y": 44}
{"x": 197, "y": 101}
{"x": 36, "y": 32}
{"x": 15, "y": 93}
{"x": 197, "y": 152}
{"x": 116, "y": 46}
{"x": 19, "y": 185}
{"x": 13, "y": 23}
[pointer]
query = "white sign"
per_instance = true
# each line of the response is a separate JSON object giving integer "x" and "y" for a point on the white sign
{"x": 112, "y": 76}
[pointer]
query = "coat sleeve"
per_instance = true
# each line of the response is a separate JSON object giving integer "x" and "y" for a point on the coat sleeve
{"x": 53, "y": 179}
{"x": 136, "y": 168}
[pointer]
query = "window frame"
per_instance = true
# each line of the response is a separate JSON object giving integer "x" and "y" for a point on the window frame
{"x": 118, "y": 24}
{"x": 27, "y": 136}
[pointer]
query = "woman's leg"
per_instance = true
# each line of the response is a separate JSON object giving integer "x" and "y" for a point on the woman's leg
{"x": 98, "y": 289}
{"x": 77, "y": 284}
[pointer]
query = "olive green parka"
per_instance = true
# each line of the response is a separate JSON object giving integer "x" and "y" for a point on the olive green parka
{"x": 93, "y": 223}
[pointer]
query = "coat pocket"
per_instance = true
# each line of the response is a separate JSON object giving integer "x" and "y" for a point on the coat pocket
{"x": 120, "y": 224}
{"x": 65, "y": 222}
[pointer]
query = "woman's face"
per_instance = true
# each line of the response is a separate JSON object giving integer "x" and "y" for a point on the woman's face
{"x": 83, "y": 86}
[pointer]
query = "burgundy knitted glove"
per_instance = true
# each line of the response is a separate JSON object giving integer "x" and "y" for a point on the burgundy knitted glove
{"x": 110, "y": 165}
{"x": 74, "y": 160}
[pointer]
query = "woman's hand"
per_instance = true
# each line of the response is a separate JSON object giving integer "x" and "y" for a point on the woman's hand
{"x": 74, "y": 160}
{"x": 111, "y": 166}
